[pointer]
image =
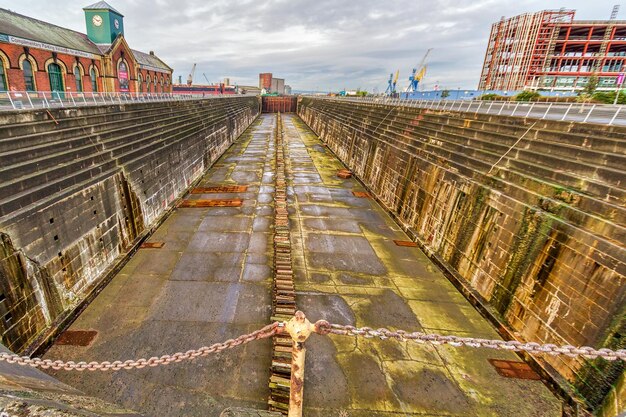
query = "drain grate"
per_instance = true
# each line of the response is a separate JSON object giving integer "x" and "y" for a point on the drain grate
{"x": 361, "y": 194}
{"x": 220, "y": 189}
{"x": 406, "y": 243}
{"x": 76, "y": 337}
{"x": 514, "y": 369}
{"x": 235, "y": 202}
{"x": 152, "y": 245}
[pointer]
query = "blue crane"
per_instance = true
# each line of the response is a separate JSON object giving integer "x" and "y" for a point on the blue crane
{"x": 391, "y": 87}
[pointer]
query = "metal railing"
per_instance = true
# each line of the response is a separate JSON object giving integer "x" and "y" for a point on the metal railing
{"x": 27, "y": 100}
{"x": 572, "y": 112}
{"x": 299, "y": 328}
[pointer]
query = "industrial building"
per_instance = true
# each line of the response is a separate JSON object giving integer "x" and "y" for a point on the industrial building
{"x": 550, "y": 50}
{"x": 270, "y": 84}
{"x": 39, "y": 56}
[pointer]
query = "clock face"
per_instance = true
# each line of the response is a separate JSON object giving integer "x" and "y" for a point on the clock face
{"x": 97, "y": 20}
{"x": 116, "y": 23}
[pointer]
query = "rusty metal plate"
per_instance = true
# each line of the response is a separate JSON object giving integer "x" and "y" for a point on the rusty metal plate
{"x": 76, "y": 337}
{"x": 514, "y": 369}
{"x": 344, "y": 173}
{"x": 152, "y": 245}
{"x": 406, "y": 243}
{"x": 235, "y": 202}
{"x": 361, "y": 194}
{"x": 220, "y": 189}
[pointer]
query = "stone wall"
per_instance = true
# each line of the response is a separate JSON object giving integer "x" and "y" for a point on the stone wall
{"x": 537, "y": 240}
{"x": 81, "y": 187}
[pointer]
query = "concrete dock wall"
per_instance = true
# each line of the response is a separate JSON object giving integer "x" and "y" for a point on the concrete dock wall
{"x": 537, "y": 240}
{"x": 81, "y": 187}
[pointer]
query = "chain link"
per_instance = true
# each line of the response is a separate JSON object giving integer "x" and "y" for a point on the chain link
{"x": 265, "y": 332}
{"x": 323, "y": 327}
{"x": 436, "y": 339}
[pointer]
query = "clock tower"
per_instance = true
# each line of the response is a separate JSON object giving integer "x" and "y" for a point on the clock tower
{"x": 104, "y": 23}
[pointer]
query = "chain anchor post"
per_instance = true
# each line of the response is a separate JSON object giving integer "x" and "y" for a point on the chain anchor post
{"x": 299, "y": 328}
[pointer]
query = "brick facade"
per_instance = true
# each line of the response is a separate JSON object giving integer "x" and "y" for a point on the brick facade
{"x": 12, "y": 56}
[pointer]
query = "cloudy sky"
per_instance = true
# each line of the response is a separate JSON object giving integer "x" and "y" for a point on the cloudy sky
{"x": 314, "y": 44}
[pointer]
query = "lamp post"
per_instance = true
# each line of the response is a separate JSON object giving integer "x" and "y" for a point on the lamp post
{"x": 620, "y": 81}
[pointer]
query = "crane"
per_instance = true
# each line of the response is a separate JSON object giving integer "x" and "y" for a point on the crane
{"x": 391, "y": 87}
{"x": 205, "y": 77}
{"x": 190, "y": 77}
{"x": 418, "y": 73}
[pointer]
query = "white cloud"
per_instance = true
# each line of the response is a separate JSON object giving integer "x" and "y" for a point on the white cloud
{"x": 322, "y": 44}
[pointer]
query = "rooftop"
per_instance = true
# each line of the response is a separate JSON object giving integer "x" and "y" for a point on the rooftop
{"x": 15, "y": 24}
{"x": 102, "y": 5}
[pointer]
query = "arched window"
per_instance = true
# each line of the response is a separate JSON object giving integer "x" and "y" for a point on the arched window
{"x": 3, "y": 78}
{"x": 79, "y": 79}
{"x": 56, "y": 80}
{"x": 140, "y": 82}
{"x": 148, "y": 85}
{"x": 94, "y": 80}
{"x": 29, "y": 79}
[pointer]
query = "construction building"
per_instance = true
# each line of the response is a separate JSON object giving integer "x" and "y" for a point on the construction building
{"x": 550, "y": 50}
{"x": 39, "y": 56}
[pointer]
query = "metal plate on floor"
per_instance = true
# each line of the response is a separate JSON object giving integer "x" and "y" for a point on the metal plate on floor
{"x": 514, "y": 369}
{"x": 361, "y": 194}
{"x": 76, "y": 337}
{"x": 220, "y": 189}
{"x": 344, "y": 174}
{"x": 152, "y": 245}
{"x": 235, "y": 202}
{"x": 405, "y": 243}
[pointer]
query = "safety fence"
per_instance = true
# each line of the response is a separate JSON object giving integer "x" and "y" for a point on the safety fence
{"x": 299, "y": 328}
{"x": 27, "y": 100}
{"x": 571, "y": 112}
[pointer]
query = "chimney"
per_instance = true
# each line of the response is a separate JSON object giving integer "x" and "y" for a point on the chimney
{"x": 151, "y": 52}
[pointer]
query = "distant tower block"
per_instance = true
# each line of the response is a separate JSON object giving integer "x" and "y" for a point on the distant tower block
{"x": 265, "y": 81}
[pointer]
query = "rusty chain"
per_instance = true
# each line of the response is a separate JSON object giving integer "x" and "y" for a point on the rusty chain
{"x": 323, "y": 327}
{"x": 267, "y": 331}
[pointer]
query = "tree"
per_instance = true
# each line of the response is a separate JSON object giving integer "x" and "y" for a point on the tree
{"x": 445, "y": 93}
{"x": 528, "y": 96}
{"x": 592, "y": 85}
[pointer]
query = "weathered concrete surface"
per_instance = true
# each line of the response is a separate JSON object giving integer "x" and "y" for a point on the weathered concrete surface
{"x": 537, "y": 239}
{"x": 247, "y": 412}
{"x": 209, "y": 283}
{"x": 26, "y": 391}
{"x": 350, "y": 271}
{"x": 77, "y": 195}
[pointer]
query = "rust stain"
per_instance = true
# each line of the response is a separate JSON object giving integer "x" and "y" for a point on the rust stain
{"x": 76, "y": 338}
{"x": 406, "y": 243}
{"x": 152, "y": 245}
{"x": 220, "y": 189}
{"x": 235, "y": 202}
{"x": 514, "y": 369}
{"x": 361, "y": 194}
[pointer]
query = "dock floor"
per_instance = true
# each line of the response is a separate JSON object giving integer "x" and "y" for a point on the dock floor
{"x": 212, "y": 281}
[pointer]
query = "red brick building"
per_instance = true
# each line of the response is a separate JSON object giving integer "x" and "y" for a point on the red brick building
{"x": 39, "y": 56}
